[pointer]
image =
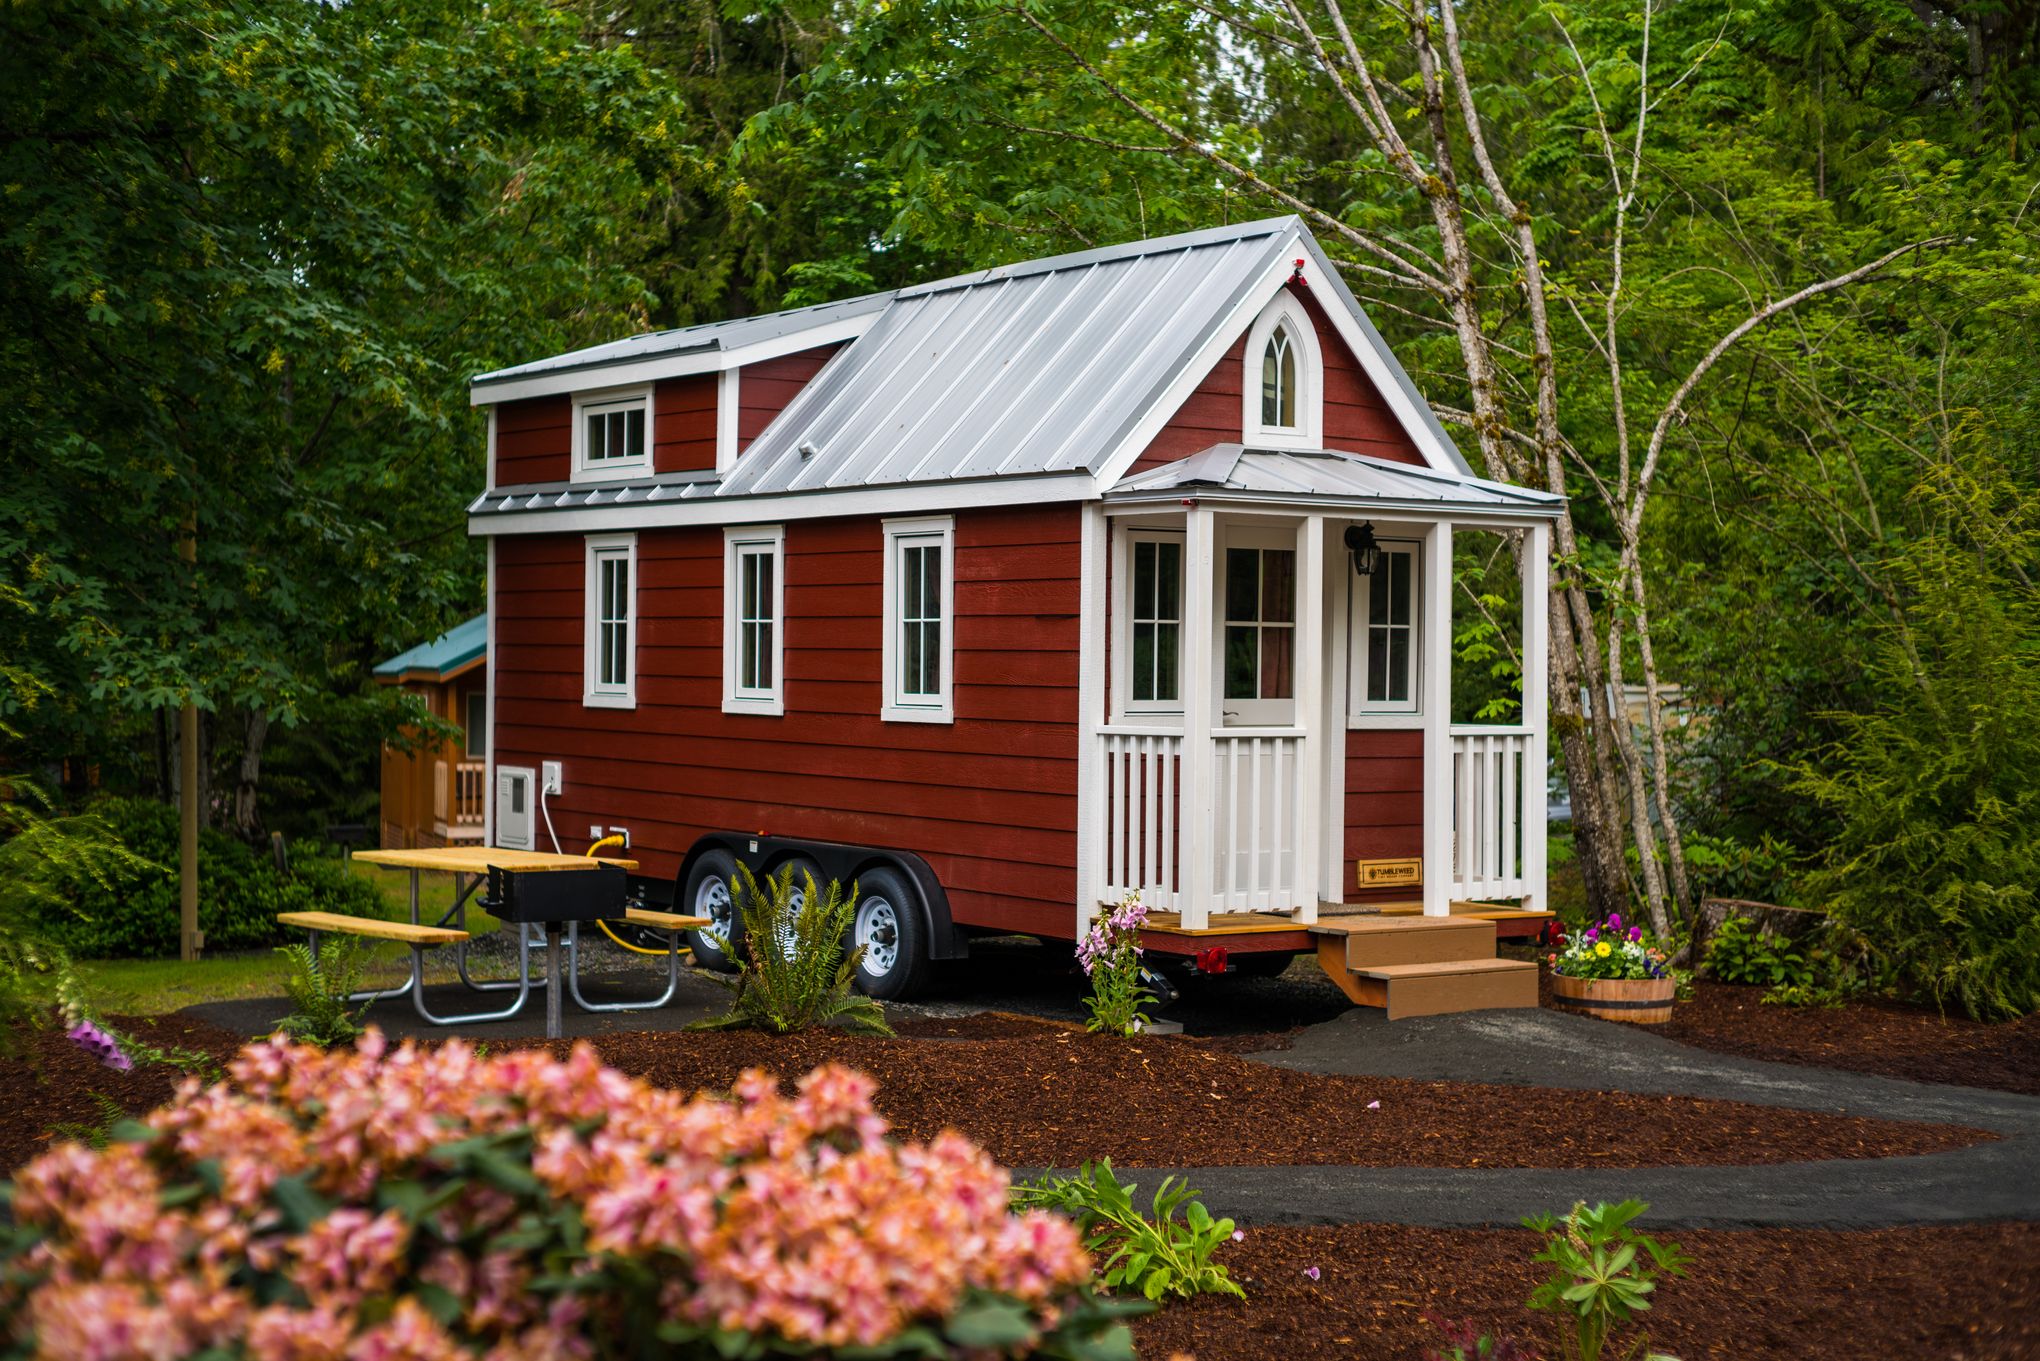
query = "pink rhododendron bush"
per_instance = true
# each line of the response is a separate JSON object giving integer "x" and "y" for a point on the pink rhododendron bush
{"x": 435, "y": 1205}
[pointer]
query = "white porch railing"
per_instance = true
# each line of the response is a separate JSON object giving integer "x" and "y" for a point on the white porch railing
{"x": 1143, "y": 797}
{"x": 1258, "y": 788}
{"x": 1489, "y": 799}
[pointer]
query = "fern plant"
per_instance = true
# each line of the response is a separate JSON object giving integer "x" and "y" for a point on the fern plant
{"x": 1155, "y": 1255}
{"x": 796, "y": 974}
{"x": 319, "y": 985}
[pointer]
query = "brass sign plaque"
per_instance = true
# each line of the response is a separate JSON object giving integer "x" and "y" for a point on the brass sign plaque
{"x": 1391, "y": 873}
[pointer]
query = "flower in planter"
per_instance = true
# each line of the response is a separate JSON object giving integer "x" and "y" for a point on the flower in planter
{"x": 1609, "y": 951}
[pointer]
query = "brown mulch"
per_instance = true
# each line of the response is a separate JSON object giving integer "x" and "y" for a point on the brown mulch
{"x": 1969, "y": 1293}
{"x": 57, "y": 1088}
{"x": 1886, "y": 1038}
{"x": 1052, "y": 1096}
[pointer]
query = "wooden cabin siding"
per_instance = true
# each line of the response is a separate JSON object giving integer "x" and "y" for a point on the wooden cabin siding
{"x": 534, "y": 441}
{"x": 1384, "y": 802}
{"x": 683, "y": 423}
{"x": 765, "y": 388}
{"x": 990, "y": 800}
{"x": 1356, "y": 419}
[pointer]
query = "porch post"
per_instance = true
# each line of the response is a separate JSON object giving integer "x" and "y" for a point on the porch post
{"x": 1437, "y": 684}
{"x": 1536, "y": 708}
{"x": 1091, "y": 812}
{"x": 1309, "y": 670}
{"x": 1200, "y": 679}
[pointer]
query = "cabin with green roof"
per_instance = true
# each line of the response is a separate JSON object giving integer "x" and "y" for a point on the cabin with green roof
{"x": 434, "y": 795}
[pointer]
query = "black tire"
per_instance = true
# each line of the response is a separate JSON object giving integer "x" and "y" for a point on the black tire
{"x": 1264, "y": 964}
{"x": 889, "y": 924}
{"x": 803, "y": 870}
{"x": 711, "y": 892}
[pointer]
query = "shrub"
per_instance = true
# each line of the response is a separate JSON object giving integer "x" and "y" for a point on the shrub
{"x": 426, "y": 1203}
{"x": 1739, "y": 952}
{"x": 319, "y": 985}
{"x": 1111, "y": 958}
{"x": 796, "y": 974}
{"x": 1602, "y": 1276}
{"x": 1153, "y": 1256}
{"x": 133, "y": 911}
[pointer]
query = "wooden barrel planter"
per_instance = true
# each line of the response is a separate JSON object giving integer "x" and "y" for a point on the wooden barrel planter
{"x": 1639, "y": 1001}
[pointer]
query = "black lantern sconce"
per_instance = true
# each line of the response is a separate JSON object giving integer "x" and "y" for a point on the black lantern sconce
{"x": 1366, "y": 552}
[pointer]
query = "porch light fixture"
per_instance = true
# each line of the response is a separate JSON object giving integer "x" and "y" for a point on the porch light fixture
{"x": 1366, "y": 552}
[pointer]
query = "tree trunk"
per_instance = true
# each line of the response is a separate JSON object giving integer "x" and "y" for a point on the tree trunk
{"x": 247, "y": 812}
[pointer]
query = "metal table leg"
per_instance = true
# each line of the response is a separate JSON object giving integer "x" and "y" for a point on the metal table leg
{"x": 574, "y": 975}
{"x": 523, "y": 993}
{"x": 417, "y": 979}
{"x": 458, "y": 915}
{"x": 552, "y": 980}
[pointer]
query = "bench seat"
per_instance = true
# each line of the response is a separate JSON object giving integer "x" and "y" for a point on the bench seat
{"x": 342, "y": 924}
{"x": 663, "y": 921}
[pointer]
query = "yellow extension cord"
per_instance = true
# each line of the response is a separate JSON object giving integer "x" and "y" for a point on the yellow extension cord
{"x": 595, "y": 850}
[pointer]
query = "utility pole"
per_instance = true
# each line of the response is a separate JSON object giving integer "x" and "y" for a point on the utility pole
{"x": 189, "y": 939}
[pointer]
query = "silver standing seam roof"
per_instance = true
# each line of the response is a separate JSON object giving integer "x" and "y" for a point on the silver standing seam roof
{"x": 1329, "y": 476}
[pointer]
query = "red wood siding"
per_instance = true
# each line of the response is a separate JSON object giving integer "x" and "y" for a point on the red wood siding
{"x": 534, "y": 441}
{"x": 764, "y": 389}
{"x": 683, "y": 423}
{"x": 1356, "y": 417}
{"x": 1384, "y": 803}
{"x": 990, "y": 801}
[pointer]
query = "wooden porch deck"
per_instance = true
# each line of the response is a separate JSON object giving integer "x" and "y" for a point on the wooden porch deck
{"x": 1509, "y": 921}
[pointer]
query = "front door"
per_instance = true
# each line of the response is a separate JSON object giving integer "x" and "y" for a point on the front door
{"x": 1258, "y": 642}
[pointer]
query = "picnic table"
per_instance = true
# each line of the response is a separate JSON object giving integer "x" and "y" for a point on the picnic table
{"x": 470, "y": 866}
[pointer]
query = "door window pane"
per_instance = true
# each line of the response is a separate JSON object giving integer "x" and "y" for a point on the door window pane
{"x": 1260, "y": 617}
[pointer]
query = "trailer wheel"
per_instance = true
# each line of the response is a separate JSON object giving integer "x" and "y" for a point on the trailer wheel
{"x": 711, "y": 893}
{"x": 888, "y": 925}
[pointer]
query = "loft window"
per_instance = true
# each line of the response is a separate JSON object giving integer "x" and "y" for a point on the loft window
{"x": 610, "y": 435}
{"x": 1385, "y": 633}
{"x": 610, "y": 649}
{"x": 1153, "y": 573}
{"x": 919, "y": 589}
{"x": 753, "y": 620}
{"x": 1278, "y": 381}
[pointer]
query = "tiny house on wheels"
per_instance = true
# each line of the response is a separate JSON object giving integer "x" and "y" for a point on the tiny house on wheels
{"x": 1010, "y": 594}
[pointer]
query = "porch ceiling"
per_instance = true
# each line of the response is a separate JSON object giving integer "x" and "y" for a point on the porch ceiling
{"x": 1329, "y": 479}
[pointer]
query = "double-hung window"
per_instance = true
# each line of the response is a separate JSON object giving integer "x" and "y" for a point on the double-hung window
{"x": 920, "y": 571}
{"x": 1385, "y": 606}
{"x": 610, "y": 649}
{"x": 754, "y": 593}
{"x": 612, "y": 435}
{"x": 1152, "y": 569}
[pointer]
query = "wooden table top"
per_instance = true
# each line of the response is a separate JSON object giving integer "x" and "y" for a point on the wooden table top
{"x": 479, "y": 859}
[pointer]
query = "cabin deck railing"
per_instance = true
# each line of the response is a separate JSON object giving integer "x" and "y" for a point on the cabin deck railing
{"x": 1143, "y": 808}
{"x": 1490, "y": 798}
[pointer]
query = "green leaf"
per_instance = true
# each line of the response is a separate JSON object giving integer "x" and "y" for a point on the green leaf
{"x": 990, "y": 1323}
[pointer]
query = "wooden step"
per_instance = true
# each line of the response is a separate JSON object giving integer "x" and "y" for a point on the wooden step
{"x": 1455, "y": 985}
{"x": 1371, "y": 941}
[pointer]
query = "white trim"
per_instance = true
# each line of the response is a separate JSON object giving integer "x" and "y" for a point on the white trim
{"x": 1330, "y": 718}
{"x": 530, "y": 778}
{"x": 1309, "y": 430}
{"x": 1091, "y": 689}
{"x": 1437, "y": 683}
{"x": 610, "y": 469}
{"x": 726, "y": 408}
{"x": 900, "y": 707}
{"x": 1309, "y": 690}
{"x": 489, "y": 465}
{"x": 595, "y": 550}
{"x": 1124, "y": 705}
{"x": 489, "y": 680}
{"x": 1536, "y": 715}
{"x": 1198, "y": 865}
{"x": 1358, "y": 705}
{"x": 929, "y": 497}
{"x": 577, "y": 378}
{"x": 738, "y": 541}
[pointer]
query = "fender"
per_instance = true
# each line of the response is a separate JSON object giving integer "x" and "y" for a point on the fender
{"x": 844, "y": 863}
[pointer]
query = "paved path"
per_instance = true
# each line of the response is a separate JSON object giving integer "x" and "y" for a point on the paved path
{"x": 1995, "y": 1180}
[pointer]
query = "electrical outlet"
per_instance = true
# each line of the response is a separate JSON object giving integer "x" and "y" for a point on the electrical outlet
{"x": 594, "y": 831}
{"x": 552, "y": 781}
{"x": 623, "y": 832}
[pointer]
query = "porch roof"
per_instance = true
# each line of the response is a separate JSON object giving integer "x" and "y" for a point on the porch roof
{"x": 441, "y": 659}
{"x": 1329, "y": 478}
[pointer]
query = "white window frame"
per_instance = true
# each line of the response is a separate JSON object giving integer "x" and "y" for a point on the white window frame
{"x": 738, "y": 544}
{"x": 596, "y": 694}
{"x": 1308, "y": 432}
{"x": 610, "y": 469}
{"x": 1360, "y": 629}
{"x": 1123, "y": 643}
{"x": 900, "y": 707}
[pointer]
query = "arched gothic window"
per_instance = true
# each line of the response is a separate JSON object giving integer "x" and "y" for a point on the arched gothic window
{"x": 1278, "y": 381}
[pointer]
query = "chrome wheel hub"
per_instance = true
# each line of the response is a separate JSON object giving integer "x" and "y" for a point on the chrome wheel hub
{"x": 878, "y": 931}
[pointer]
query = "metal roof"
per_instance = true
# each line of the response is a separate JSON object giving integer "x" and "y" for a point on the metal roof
{"x": 1032, "y": 368}
{"x": 454, "y": 650}
{"x": 1329, "y": 476}
{"x": 710, "y": 336}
